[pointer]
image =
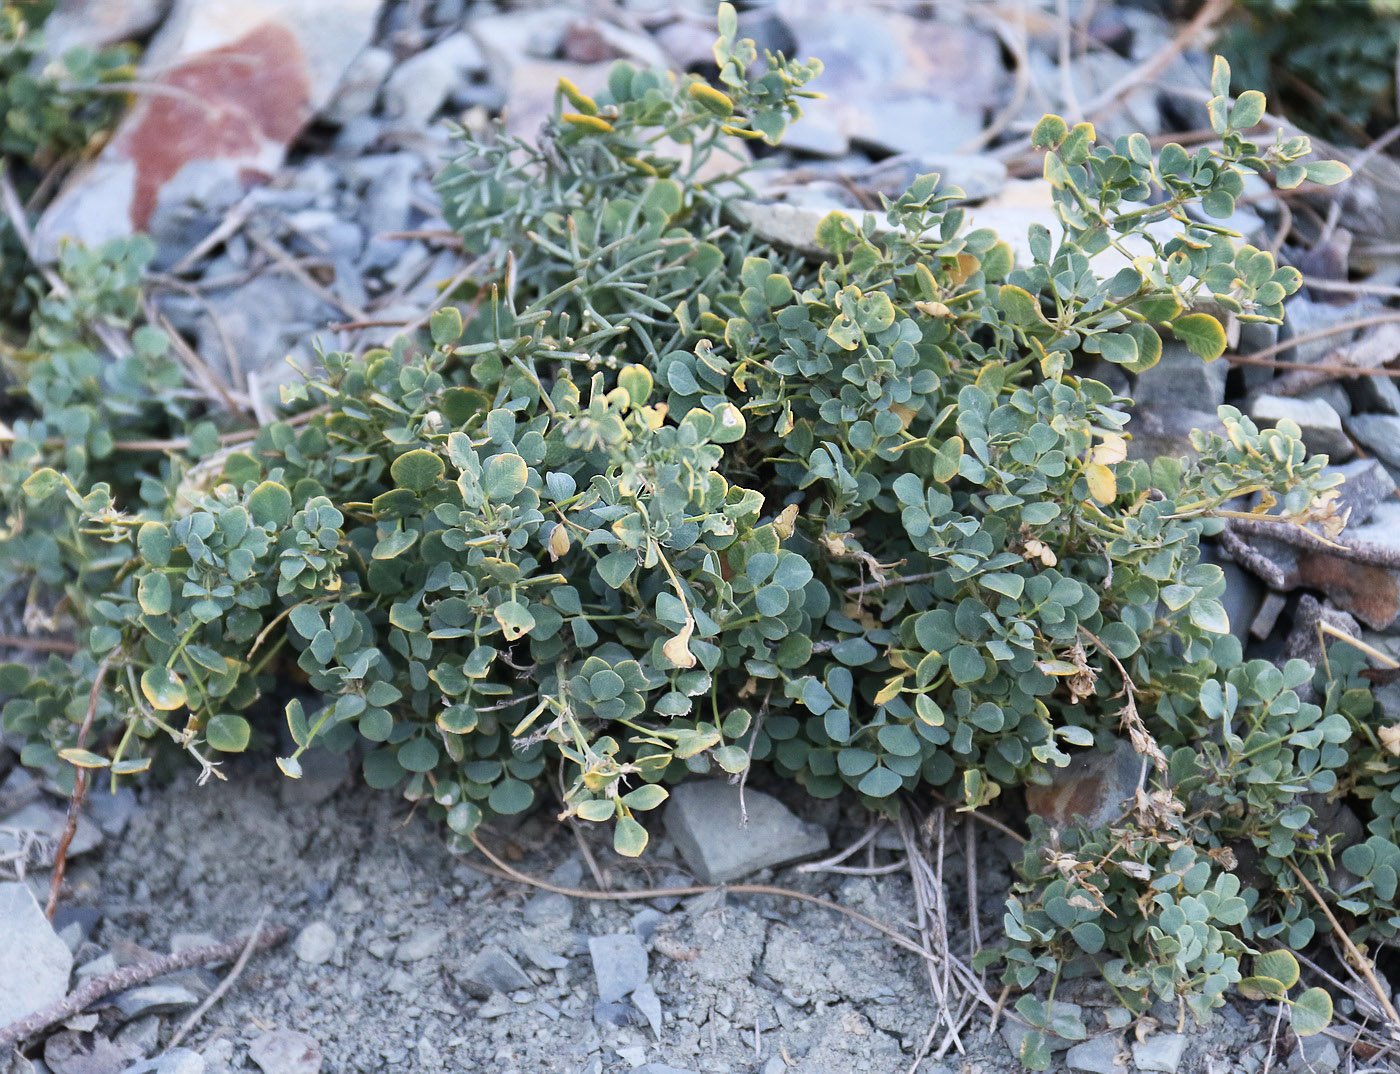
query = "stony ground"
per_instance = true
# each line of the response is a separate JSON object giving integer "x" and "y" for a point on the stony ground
{"x": 406, "y": 957}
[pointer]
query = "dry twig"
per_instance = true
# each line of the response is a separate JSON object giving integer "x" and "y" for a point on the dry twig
{"x": 80, "y": 782}
{"x": 130, "y": 977}
{"x": 222, "y": 987}
{"x": 1281, "y": 529}
{"x": 504, "y": 871}
{"x": 1360, "y": 961}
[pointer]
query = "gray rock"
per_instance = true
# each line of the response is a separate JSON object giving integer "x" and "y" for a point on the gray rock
{"x": 263, "y": 321}
{"x": 705, "y": 822}
{"x": 659, "y": 1068}
{"x": 1366, "y": 485}
{"x": 1382, "y": 528}
{"x": 1333, "y": 394}
{"x": 76, "y": 924}
{"x": 359, "y": 86}
{"x": 1166, "y": 430}
{"x": 1098, "y": 1056}
{"x": 1302, "y": 316}
{"x": 420, "y": 86}
{"x": 1374, "y": 394}
{"x": 1320, "y": 425}
{"x": 1380, "y": 433}
{"x": 817, "y": 135}
{"x": 34, "y": 962}
{"x": 1181, "y": 377}
{"x": 290, "y": 57}
{"x": 1316, "y": 1055}
{"x": 913, "y": 122}
{"x": 322, "y": 772}
{"x": 315, "y": 944}
{"x": 548, "y": 908}
{"x": 185, "y": 941}
{"x": 540, "y": 955}
{"x": 154, "y": 999}
{"x": 492, "y": 969}
{"x": 175, "y": 1061}
{"x": 1162, "y": 1051}
{"x": 421, "y": 943}
{"x": 511, "y": 36}
{"x": 285, "y": 1051}
{"x": 613, "y": 1014}
{"x": 139, "y": 1036}
{"x": 112, "y": 811}
{"x": 95, "y": 23}
{"x": 645, "y": 999}
{"x": 47, "y": 823}
{"x": 619, "y": 965}
{"x": 98, "y": 967}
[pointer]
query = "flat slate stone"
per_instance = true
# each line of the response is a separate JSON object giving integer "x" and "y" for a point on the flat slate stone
{"x": 34, "y": 961}
{"x": 706, "y": 824}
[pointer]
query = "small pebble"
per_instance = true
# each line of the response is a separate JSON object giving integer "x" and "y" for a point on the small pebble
{"x": 286, "y": 1051}
{"x": 315, "y": 944}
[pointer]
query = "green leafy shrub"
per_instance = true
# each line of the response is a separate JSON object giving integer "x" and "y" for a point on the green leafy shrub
{"x": 1331, "y": 65}
{"x": 51, "y": 113}
{"x": 670, "y": 500}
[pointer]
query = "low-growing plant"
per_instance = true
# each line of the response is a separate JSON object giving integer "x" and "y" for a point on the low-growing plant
{"x": 53, "y": 111}
{"x": 1331, "y": 65}
{"x": 654, "y": 498}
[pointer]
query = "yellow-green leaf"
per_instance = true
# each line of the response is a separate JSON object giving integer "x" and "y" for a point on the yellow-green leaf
{"x": 1281, "y": 965}
{"x": 163, "y": 689}
{"x": 1202, "y": 334}
{"x": 1312, "y": 1011}
{"x": 629, "y": 838}
{"x": 84, "y": 758}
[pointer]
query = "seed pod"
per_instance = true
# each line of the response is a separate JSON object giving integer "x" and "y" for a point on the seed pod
{"x": 580, "y": 100}
{"x": 711, "y": 99}
{"x": 587, "y": 123}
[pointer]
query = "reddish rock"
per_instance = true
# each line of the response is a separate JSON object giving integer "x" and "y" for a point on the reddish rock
{"x": 1367, "y": 592}
{"x": 1098, "y": 787}
{"x": 229, "y": 83}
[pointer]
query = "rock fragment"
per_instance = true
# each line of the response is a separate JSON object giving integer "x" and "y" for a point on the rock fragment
{"x": 285, "y": 1051}
{"x": 156, "y": 998}
{"x": 1093, "y": 786}
{"x": 34, "y": 962}
{"x": 619, "y": 965}
{"x": 492, "y": 969}
{"x": 315, "y": 944}
{"x": 1160, "y": 1052}
{"x": 707, "y": 824}
{"x": 1101, "y": 1055}
{"x": 231, "y": 82}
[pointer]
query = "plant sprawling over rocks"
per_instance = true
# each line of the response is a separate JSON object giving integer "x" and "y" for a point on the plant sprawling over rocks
{"x": 655, "y": 498}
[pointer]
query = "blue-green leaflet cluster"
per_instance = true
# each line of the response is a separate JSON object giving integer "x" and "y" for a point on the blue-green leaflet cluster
{"x": 669, "y": 500}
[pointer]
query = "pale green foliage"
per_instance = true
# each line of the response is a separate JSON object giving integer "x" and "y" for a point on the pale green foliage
{"x": 667, "y": 500}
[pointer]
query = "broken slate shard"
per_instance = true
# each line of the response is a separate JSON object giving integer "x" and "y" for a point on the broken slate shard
{"x": 229, "y": 84}
{"x": 707, "y": 824}
{"x": 34, "y": 962}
